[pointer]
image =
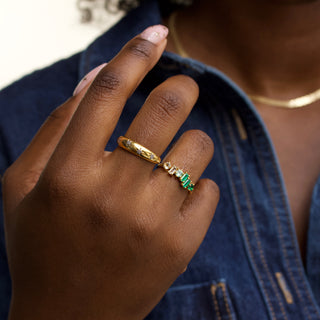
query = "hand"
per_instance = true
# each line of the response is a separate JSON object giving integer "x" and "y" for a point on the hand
{"x": 101, "y": 235}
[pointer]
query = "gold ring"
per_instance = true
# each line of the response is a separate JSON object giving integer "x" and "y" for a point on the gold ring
{"x": 183, "y": 177}
{"x": 138, "y": 150}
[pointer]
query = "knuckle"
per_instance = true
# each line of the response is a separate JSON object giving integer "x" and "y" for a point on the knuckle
{"x": 186, "y": 87}
{"x": 103, "y": 209}
{"x": 59, "y": 184}
{"x": 30, "y": 177}
{"x": 141, "y": 49}
{"x": 214, "y": 189}
{"x": 14, "y": 178}
{"x": 188, "y": 83}
{"x": 167, "y": 103}
{"x": 6, "y": 177}
{"x": 99, "y": 219}
{"x": 106, "y": 82}
{"x": 142, "y": 230}
{"x": 176, "y": 251}
{"x": 201, "y": 140}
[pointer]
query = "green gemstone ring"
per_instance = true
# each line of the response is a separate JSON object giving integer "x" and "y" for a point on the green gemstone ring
{"x": 183, "y": 177}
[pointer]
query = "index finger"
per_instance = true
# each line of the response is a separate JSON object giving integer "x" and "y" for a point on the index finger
{"x": 101, "y": 107}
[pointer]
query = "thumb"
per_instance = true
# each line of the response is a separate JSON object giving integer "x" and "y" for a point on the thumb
{"x": 24, "y": 173}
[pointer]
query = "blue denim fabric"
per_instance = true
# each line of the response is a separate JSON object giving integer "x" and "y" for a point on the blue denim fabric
{"x": 248, "y": 266}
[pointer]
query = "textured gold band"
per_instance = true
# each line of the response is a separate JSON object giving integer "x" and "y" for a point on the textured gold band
{"x": 138, "y": 150}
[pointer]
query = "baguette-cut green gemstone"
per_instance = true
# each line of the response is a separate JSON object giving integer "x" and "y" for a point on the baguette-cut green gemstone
{"x": 186, "y": 183}
{"x": 184, "y": 177}
{"x": 191, "y": 187}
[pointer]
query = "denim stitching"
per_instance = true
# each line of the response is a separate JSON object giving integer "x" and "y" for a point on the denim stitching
{"x": 284, "y": 287}
{"x": 239, "y": 123}
{"x": 223, "y": 286}
{"x": 267, "y": 178}
{"x": 243, "y": 225}
{"x": 281, "y": 236}
{"x": 213, "y": 290}
{"x": 256, "y": 233}
{"x": 296, "y": 256}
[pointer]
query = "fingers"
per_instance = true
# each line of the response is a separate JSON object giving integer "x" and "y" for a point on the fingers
{"x": 28, "y": 167}
{"x": 158, "y": 121}
{"x": 196, "y": 215}
{"x": 192, "y": 153}
{"x": 84, "y": 83}
{"x": 100, "y": 109}
{"x": 186, "y": 231}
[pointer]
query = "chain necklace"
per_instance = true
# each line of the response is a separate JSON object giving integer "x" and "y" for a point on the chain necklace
{"x": 291, "y": 104}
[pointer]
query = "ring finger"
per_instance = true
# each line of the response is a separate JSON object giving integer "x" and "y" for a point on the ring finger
{"x": 191, "y": 155}
{"x": 157, "y": 122}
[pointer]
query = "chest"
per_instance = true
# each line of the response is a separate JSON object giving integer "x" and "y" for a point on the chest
{"x": 296, "y": 137}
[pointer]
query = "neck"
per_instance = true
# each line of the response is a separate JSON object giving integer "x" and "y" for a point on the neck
{"x": 269, "y": 47}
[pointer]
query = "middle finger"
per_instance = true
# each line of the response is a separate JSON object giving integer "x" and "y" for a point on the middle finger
{"x": 100, "y": 109}
{"x": 158, "y": 121}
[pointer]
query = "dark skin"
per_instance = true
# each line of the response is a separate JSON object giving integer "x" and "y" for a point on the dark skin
{"x": 88, "y": 233}
{"x": 269, "y": 48}
{"x": 82, "y": 242}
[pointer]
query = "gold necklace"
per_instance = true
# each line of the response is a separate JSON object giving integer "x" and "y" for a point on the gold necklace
{"x": 175, "y": 37}
{"x": 291, "y": 104}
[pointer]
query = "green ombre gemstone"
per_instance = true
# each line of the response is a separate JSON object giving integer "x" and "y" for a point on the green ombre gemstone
{"x": 191, "y": 187}
{"x": 184, "y": 177}
{"x": 186, "y": 183}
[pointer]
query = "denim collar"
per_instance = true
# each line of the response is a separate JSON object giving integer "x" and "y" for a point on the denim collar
{"x": 104, "y": 48}
{"x": 224, "y": 90}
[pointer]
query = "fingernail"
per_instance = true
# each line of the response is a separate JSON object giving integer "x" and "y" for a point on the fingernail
{"x": 155, "y": 34}
{"x": 87, "y": 78}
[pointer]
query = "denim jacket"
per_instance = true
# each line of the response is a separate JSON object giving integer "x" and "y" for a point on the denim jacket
{"x": 248, "y": 266}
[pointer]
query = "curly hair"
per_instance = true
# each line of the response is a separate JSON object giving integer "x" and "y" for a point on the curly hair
{"x": 165, "y": 5}
{"x": 113, "y": 6}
